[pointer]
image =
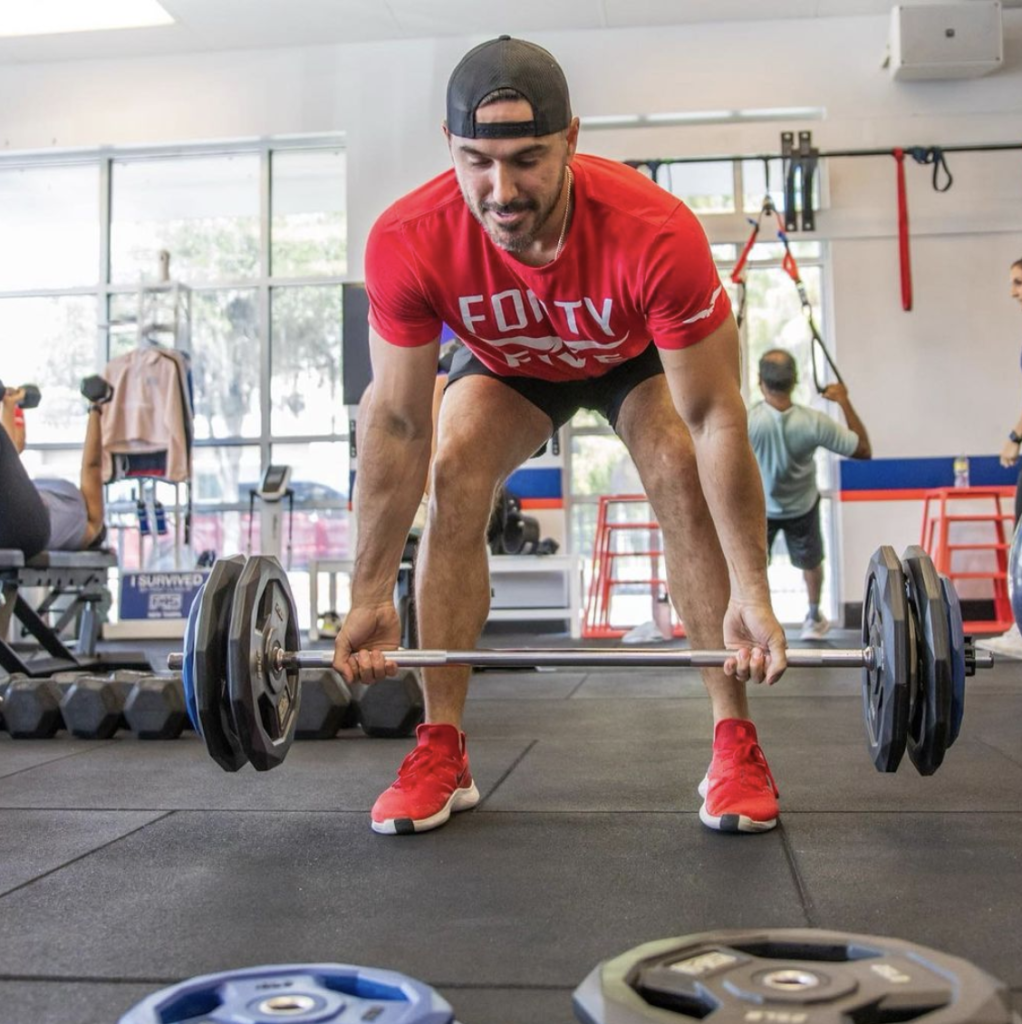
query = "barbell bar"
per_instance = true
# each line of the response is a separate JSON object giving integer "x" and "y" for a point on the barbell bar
{"x": 576, "y": 657}
{"x": 242, "y": 660}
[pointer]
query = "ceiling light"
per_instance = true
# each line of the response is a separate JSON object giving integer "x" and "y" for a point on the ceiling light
{"x": 48, "y": 17}
{"x": 701, "y": 117}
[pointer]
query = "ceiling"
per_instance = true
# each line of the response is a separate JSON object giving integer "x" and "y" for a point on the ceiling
{"x": 205, "y": 25}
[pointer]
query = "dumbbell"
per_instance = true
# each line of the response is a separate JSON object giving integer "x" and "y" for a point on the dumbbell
{"x": 155, "y": 708}
{"x": 32, "y": 397}
{"x": 31, "y": 709}
{"x": 92, "y": 707}
{"x": 327, "y": 705}
{"x": 390, "y": 708}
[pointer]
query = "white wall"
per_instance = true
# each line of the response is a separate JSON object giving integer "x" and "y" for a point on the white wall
{"x": 936, "y": 381}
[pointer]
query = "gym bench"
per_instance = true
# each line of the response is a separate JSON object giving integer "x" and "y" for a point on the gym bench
{"x": 77, "y": 575}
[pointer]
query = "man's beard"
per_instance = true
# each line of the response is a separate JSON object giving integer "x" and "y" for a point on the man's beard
{"x": 519, "y": 241}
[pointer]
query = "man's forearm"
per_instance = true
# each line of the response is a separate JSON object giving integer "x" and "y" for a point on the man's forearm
{"x": 854, "y": 423}
{"x": 734, "y": 493}
{"x": 391, "y": 479}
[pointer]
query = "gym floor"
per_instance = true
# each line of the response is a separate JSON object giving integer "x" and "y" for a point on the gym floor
{"x": 128, "y": 865}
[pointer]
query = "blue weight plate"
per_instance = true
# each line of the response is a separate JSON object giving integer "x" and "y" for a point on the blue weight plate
{"x": 210, "y": 665}
{"x": 297, "y": 993}
{"x": 957, "y": 632}
{"x": 188, "y": 664}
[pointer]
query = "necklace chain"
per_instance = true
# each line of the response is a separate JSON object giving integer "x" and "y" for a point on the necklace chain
{"x": 564, "y": 223}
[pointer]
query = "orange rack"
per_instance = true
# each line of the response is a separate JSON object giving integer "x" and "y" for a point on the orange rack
{"x": 939, "y": 519}
{"x": 619, "y": 538}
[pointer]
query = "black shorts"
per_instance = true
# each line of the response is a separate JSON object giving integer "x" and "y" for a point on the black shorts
{"x": 802, "y": 535}
{"x": 561, "y": 399}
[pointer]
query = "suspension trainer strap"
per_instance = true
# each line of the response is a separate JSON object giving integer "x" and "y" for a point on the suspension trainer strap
{"x": 903, "y": 237}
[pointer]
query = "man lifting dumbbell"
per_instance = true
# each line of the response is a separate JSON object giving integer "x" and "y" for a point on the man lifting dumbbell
{"x": 574, "y": 283}
{"x": 51, "y": 513}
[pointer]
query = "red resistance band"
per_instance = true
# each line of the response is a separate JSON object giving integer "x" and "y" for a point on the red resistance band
{"x": 903, "y": 248}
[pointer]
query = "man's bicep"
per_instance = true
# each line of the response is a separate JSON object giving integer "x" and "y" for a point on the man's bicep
{"x": 705, "y": 377}
{"x": 403, "y": 379}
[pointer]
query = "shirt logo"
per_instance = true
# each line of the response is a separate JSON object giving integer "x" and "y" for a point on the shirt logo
{"x": 504, "y": 314}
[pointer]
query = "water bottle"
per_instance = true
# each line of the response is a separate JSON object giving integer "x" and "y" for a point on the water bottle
{"x": 143, "y": 518}
{"x": 161, "y": 518}
{"x": 961, "y": 468}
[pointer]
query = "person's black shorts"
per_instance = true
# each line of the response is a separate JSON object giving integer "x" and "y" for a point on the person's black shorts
{"x": 803, "y": 536}
{"x": 560, "y": 399}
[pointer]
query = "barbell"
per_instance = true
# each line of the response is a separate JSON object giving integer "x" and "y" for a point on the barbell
{"x": 241, "y": 661}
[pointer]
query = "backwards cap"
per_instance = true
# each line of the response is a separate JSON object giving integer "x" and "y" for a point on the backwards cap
{"x": 507, "y": 63}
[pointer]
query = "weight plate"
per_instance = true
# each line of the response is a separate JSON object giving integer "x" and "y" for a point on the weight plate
{"x": 789, "y": 976}
{"x": 956, "y": 637}
{"x": 264, "y": 699}
{"x": 929, "y": 716}
{"x": 188, "y": 662}
{"x": 298, "y": 993}
{"x": 886, "y": 686}
{"x": 213, "y": 621}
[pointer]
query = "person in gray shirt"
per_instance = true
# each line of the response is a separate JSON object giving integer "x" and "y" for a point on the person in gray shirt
{"x": 785, "y": 436}
{"x": 46, "y": 513}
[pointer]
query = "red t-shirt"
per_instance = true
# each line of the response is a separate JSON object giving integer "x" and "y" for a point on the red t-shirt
{"x": 635, "y": 266}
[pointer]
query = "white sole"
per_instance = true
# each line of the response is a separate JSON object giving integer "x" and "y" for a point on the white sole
{"x": 729, "y": 822}
{"x": 461, "y": 800}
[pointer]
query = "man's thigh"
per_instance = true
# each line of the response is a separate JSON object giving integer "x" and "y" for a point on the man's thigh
{"x": 804, "y": 539}
{"x": 488, "y": 429}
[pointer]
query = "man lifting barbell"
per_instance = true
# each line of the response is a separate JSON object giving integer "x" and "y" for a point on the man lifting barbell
{"x": 575, "y": 283}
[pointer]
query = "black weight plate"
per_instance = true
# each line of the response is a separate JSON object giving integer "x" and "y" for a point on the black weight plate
{"x": 886, "y": 686}
{"x": 304, "y": 993}
{"x": 789, "y": 975}
{"x": 956, "y": 637}
{"x": 264, "y": 699}
{"x": 209, "y": 664}
{"x": 929, "y": 717}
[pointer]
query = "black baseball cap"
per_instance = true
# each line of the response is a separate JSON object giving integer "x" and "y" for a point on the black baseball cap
{"x": 507, "y": 63}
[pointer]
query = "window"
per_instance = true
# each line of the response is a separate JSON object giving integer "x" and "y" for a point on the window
{"x": 257, "y": 234}
{"x": 50, "y": 341}
{"x": 305, "y": 382}
{"x": 49, "y": 227}
{"x": 309, "y": 227}
{"x": 203, "y": 210}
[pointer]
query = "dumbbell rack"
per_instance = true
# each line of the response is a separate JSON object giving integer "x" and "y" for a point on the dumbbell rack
{"x": 936, "y": 540}
{"x": 607, "y": 552}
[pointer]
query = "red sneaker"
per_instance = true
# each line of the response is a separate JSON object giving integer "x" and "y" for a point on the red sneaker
{"x": 739, "y": 793}
{"x": 433, "y": 781}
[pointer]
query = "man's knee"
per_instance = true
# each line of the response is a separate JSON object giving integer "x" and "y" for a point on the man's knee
{"x": 461, "y": 494}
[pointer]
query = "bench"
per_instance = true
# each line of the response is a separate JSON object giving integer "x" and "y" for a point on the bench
{"x": 75, "y": 584}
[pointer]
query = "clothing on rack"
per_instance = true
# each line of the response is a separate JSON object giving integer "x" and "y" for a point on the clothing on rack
{"x": 150, "y": 411}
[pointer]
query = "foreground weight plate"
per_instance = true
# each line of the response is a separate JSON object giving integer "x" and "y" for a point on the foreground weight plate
{"x": 956, "y": 638}
{"x": 264, "y": 699}
{"x": 929, "y": 717}
{"x": 886, "y": 686}
{"x": 209, "y": 664}
{"x": 188, "y": 663}
{"x": 301, "y": 993}
{"x": 789, "y": 976}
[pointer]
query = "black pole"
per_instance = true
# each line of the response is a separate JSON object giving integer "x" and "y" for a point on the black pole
{"x": 663, "y": 161}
